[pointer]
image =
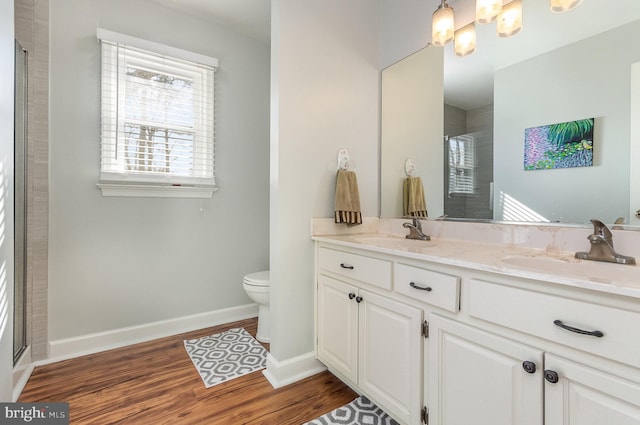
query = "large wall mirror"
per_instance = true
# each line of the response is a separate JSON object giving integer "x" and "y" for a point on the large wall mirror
{"x": 470, "y": 152}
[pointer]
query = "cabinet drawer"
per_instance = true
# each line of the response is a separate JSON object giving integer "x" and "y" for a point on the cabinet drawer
{"x": 535, "y": 313}
{"x": 373, "y": 271}
{"x": 439, "y": 289}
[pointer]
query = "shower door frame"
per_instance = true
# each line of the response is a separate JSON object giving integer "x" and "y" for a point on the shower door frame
{"x": 20, "y": 203}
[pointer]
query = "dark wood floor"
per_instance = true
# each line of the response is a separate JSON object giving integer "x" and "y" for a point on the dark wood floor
{"x": 156, "y": 383}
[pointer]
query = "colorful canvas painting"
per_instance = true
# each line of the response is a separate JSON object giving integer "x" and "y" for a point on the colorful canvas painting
{"x": 562, "y": 145}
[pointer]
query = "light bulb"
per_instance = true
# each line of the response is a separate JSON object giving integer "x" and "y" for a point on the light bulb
{"x": 465, "y": 40}
{"x": 442, "y": 25}
{"x": 564, "y": 5}
{"x": 510, "y": 19}
{"x": 487, "y": 10}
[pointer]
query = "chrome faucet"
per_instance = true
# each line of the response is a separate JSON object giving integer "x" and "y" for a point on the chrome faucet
{"x": 602, "y": 246}
{"x": 415, "y": 230}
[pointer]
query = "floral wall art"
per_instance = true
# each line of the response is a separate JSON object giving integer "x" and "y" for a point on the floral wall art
{"x": 562, "y": 145}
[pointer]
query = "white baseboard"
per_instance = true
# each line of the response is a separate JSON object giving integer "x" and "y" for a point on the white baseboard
{"x": 67, "y": 348}
{"x": 281, "y": 373}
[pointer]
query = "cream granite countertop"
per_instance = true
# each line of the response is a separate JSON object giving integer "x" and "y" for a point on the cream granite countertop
{"x": 553, "y": 266}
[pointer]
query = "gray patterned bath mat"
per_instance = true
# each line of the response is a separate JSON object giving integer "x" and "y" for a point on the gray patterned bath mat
{"x": 360, "y": 411}
{"x": 221, "y": 357}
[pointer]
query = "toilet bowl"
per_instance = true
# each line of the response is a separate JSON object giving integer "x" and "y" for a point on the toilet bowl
{"x": 258, "y": 286}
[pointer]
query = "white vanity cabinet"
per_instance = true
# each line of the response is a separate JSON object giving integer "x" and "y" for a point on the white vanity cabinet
{"x": 367, "y": 337}
{"x": 481, "y": 378}
{"x": 501, "y": 348}
{"x": 540, "y": 365}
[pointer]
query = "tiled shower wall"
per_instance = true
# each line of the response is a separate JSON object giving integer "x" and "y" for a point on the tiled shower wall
{"x": 458, "y": 121}
{"x": 32, "y": 32}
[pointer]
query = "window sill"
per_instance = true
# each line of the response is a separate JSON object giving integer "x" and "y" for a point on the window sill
{"x": 155, "y": 191}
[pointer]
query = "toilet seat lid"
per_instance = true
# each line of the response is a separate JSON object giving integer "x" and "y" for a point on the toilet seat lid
{"x": 258, "y": 278}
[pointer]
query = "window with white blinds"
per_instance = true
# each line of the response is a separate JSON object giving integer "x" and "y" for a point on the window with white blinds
{"x": 462, "y": 164}
{"x": 157, "y": 116}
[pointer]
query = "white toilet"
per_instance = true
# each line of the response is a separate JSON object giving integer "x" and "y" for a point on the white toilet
{"x": 257, "y": 285}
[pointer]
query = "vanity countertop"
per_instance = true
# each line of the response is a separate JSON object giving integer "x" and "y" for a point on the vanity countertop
{"x": 555, "y": 267}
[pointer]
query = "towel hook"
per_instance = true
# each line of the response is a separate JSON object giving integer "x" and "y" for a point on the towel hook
{"x": 409, "y": 168}
{"x": 344, "y": 162}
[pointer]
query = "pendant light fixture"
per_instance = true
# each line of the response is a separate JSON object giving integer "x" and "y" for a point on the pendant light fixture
{"x": 442, "y": 25}
{"x": 510, "y": 19}
{"x": 564, "y": 5}
{"x": 487, "y": 10}
{"x": 465, "y": 40}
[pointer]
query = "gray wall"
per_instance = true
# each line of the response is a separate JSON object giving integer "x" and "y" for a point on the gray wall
{"x": 117, "y": 262}
{"x": 455, "y": 120}
{"x": 589, "y": 79}
{"x": 405, "y": 28}
{"x": 6, "y": 193}
{"x": 480, "y": 120}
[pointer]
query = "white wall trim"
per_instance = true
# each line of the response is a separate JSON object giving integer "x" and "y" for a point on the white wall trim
{"x": 140, "y": 43}
{"x": 281, "y": 373}
{"x": 155, "y": 191}
{"x": 67, "y": 348}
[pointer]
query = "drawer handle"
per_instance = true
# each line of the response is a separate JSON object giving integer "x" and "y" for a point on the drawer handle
{"x": 351, "y": 295}
{"x": 359, "y": 299}
{"x": 559, "y": 323}
{"x": 346, "y": 266}
{"x": 422, "y": 288}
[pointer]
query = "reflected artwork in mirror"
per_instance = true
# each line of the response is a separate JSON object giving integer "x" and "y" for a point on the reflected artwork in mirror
{"x": 561, "y": 145}
{"x": 532, "y": 83}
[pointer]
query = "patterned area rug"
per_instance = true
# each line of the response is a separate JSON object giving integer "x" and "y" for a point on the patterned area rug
{"x": 221, "y": 357}
{"x": 360, "y": 411}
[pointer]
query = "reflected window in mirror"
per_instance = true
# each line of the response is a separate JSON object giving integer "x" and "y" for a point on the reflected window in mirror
{"x": 462, "y": 161}
{"x": 476, "y": 200}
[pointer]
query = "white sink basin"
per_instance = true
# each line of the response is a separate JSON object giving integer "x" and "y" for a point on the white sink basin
{"x": 595, "y": 271}
{"x": 392, "y": 242}
{"x": 537, "y": 263}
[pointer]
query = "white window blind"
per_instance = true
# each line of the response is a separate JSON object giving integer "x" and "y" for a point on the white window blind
{"x": 157, "y": 117}
{"x": 462, "y": 164}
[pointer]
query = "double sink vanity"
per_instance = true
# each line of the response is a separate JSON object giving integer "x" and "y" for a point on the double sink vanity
{"x": 494, "y": 323}
{"x": 481, "y": 324}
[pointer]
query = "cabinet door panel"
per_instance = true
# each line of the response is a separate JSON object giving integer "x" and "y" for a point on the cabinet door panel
{"x": 338, "y": 327}
{"x": 478, "y": 378}
{"x": 390, "y": 355}
{"x": 585, "y": 396}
